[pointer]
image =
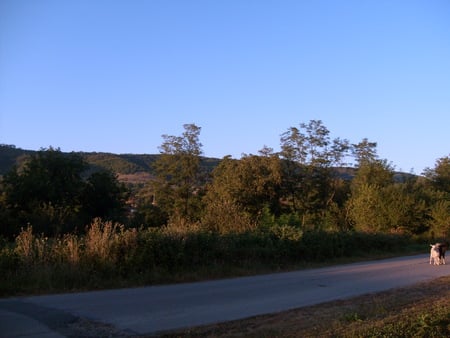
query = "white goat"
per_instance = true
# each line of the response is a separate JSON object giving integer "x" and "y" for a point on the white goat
{"x": 434, "y": 255}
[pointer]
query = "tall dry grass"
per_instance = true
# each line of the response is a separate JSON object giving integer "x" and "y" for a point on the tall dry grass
{"x": 100, "y": 239}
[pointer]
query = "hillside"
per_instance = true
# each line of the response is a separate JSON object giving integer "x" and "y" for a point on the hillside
{"x": 130, "y": 168}
{"x": 11, "y": 156}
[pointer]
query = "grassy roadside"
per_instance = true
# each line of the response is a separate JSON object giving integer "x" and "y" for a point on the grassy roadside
{"x": 110, "y": 256}
{"x": 422, "y": 310}
{"x": 38, "y": 280}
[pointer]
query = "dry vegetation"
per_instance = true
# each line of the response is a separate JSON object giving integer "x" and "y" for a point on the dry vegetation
{"x": 422, "y": 310}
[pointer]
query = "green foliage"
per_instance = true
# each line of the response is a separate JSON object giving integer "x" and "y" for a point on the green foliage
{"x": 103, "y": 196}
{"x": 223, "y": 215}
{"x": 11, "y": 157}
{"x": 178, "y": 183}
{"x": 58, "y": 192}
{"x": 440, "y": 175}
{"x": 366, "y": 209}
{"x": 437, "y": 188}
{"x": 244, "y": 188}
{"x": 309, "y": 185}
{"x": 50, "y": 193}
{"x": 365, "y": 152}
{"x": 46, "y": 191}
{"x": 148, "y": 215}
{"x": 311, "y": 145}
{"x": 376, "y": 173}
{"x": 440, "y": 218}
{"x": 404, "y": 209}
{"x": 376, "y": 203}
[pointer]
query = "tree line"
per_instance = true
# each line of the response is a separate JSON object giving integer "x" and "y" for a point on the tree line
{"x": 299, "y": 187}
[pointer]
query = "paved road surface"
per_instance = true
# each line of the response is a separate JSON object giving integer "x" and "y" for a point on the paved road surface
{"x": 141, "y": 311}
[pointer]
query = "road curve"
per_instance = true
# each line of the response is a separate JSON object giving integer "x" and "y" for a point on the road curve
{"x": 146, "y": 310}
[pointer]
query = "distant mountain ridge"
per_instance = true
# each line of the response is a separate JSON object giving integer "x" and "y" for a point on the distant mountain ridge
{"x": 131, "y": 168}
{"x": 11, "y": 156}
{"x": 128, "y": 167}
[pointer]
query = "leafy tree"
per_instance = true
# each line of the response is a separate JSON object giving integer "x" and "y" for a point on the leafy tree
{"x": 369, "y": 207}
{"x": 257, "y": 181}
{"x": 146, "y": 212}
{"x": 148, "y": 215}
{"x": 365, "y": 209}
{"x": 438, "y": 183}
{"x": 335, "y": 216}
{"x": 178, "y": 184}
{"x": 51, "y": 193}
{"x": 9, "y": 226}
{"x": 224, "y": 215}
{"x": 404, "y": 209}
{"x": 293, "y": 153}
{"x": 244, "y": 187}
{"x": 440, "y": 175}
{"x": 386, "y": 209}
{"x": 379, "y": 204}
{"x": 104, "y": 197}
{"x": 440, "y": 219}
{"x": 376, "y": 172}
{"x": 309, "y": 184}
{"x": 364, "y": 152}
{"x": 46, "y": 192}
{"x": 222, "y": 211}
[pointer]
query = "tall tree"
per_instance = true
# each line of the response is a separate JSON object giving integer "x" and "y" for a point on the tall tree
{"x": 244, "y": 187}
{"x": 308, "y": 154}
{"x": 438, "y": 182}
{"x": 439, "y": 176}
{"x": 405, "y": 207}
{"x": 364, "y": 152}
{"x": 440, "y": 219}
{"x": 53, "y": 192}
{"x": 46, "y": 191}
{"x": 223, "y": 210}
{"x": 104, "y": 197}
{"x": 376, "y": 172}
{"x": 370, "y": 207}
{"x": 178, "y": 185}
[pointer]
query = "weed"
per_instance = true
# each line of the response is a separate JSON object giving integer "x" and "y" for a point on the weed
{"x": 353, "y": 317}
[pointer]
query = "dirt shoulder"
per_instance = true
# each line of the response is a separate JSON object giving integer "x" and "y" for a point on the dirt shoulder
{"x": 345, "y": 318}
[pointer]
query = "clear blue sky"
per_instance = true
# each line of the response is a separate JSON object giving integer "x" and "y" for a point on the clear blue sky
{"x": 113, "y": 76}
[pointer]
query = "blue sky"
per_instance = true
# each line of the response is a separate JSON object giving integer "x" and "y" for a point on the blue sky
{"x": 114, "y": 76}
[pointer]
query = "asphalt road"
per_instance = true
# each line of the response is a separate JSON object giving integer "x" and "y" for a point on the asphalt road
{"x": 141, "y": 311}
